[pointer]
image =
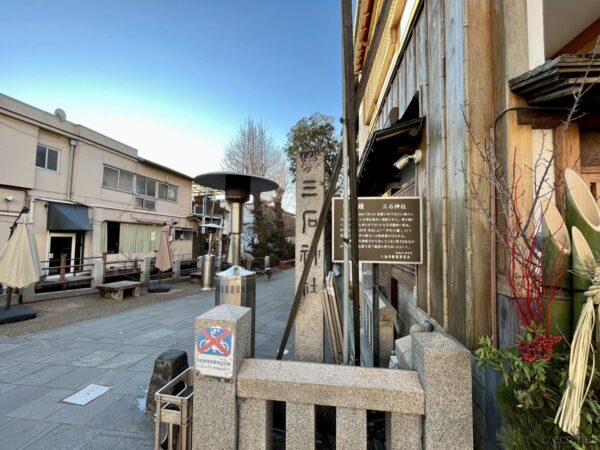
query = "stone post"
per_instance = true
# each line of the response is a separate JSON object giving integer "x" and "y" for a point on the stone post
{"x": 145, "y": 276}
{"x": 387, "y": 316}
{"x": 177, "y": 267}
{"x": 97, "y": 272}
{"x": 444, "y": 368}
{"x": 310, "y": 193}
{"x": 222, "y": 341}
{"x": 28, "y": 293}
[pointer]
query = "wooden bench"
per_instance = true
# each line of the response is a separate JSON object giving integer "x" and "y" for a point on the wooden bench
{"x": 117, "y": 289}
{"x": 196, "y": 277}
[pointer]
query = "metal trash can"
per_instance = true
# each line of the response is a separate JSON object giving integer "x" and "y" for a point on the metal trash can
{"x": 237, "y": 286}
{"x": 207, "y": 264}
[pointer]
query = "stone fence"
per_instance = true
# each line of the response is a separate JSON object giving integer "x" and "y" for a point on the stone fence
{"x": 428, "y": 408}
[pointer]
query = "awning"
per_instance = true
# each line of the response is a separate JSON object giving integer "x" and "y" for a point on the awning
{"x": 555, "y": 82}
{"x": 66, "y": 217}
{"x": 384, "y": 148}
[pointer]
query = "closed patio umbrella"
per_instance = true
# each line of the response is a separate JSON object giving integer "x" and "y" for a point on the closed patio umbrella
{"x": 164, "y": 257}
{"x": 19, "y": 262}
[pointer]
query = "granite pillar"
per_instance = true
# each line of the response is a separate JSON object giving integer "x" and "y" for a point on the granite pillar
{"x": 310, "y": 193}
{"x": 444, "y": 368}
{"x": 300, "y": 426}
{"x": 403, "y": 431}
{"x": 351, "y": 428}
{"x": 146, "y": 266}
{"x": 215, "y": 407}
{"x": 256, "y": 424}
{"x": 97, "y": 273}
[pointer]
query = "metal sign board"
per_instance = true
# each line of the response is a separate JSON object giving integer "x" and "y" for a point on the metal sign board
{"x": 213, "y": 355}
{"x": 389, "y": 230}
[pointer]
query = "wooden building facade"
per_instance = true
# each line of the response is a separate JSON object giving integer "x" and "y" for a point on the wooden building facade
{"x": 449, "y": 76}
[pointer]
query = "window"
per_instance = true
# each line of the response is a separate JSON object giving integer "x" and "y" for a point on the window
{"x": 110, "y": 178}
{"x": 140, "y": 185}
{"x": 183, "y": 235}
{"x": 125, "y": 181}
{"x": 145, "y": 203}
{"x": 46, "y": 158}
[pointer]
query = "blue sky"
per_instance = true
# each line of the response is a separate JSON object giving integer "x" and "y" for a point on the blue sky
{"x": 174, "y": 78}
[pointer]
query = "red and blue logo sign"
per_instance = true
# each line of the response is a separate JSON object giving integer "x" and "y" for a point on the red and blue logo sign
{"x": 214, "y": 341}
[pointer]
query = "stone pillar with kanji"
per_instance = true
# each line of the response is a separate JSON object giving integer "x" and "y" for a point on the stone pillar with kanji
{"x": 310, "y": 194}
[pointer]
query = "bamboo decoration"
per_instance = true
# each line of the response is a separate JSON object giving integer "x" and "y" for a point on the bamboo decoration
{"x": 581, "y": 209}
{"x": 582, "y": 256}
{"x": 582, "y": 213}
{"x": 556, "y": 246}
{"x": 568, "y": 416}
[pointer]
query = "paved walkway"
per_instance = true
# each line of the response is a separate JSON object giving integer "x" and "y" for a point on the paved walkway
{"x": 38, "y": 370}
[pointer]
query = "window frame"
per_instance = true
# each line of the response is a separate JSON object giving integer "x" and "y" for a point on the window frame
{"x": 46, "y": 148}
{"x": 134, "y": 189}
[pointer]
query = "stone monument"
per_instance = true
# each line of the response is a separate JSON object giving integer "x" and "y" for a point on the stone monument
{"x": 310, "y": 193}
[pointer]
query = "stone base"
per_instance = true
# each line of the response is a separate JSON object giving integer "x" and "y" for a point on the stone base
{"x": 309, "y": 337}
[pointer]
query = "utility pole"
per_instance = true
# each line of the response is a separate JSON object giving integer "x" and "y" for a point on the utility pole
{"x": 349, "y": 109}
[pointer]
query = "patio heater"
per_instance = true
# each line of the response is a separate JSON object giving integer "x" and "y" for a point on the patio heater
{"x": 236, "y": 285}
{"x": 207, "y": 262}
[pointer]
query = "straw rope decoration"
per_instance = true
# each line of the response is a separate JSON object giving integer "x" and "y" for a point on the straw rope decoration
{"x": 568, "y": 415}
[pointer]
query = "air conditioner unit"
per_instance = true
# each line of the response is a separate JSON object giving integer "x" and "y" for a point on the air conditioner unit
{"x": 198, "y": 209}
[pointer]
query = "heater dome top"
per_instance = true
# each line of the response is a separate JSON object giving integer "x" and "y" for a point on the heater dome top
{"x": 236, "y": 181}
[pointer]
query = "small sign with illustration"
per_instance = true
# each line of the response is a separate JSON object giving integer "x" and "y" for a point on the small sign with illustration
{"x": 213, "y": 354}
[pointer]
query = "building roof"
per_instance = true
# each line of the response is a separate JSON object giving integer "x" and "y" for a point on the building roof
{"x": 52, "y": 122}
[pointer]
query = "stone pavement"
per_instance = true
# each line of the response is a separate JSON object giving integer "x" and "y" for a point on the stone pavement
{"x": 37, "y": 371}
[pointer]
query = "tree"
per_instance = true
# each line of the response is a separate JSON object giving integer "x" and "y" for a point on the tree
{"x": 281, "y": 174}
{"x": 314, "y": 134}
{"x": 252, "y": 151}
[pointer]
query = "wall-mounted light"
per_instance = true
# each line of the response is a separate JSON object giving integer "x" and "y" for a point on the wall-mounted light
{"x": 402, "y": 162}
{"x": 10, "y": 198}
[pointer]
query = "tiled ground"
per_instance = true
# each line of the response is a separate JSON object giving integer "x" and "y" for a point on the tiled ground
{"x": 37, "y": 371}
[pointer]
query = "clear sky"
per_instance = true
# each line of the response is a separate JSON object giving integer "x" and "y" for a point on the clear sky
{"x": 174, "y": 78}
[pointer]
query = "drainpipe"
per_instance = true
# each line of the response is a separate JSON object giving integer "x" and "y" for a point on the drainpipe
{"x": 72, "y": 147}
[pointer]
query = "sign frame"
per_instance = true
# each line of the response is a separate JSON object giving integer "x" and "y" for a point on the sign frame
{"x": 420, "y": 228}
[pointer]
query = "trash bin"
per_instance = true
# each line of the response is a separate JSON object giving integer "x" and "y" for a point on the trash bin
{"x": 237, "y": 286}
{"x": 208, "y": 272}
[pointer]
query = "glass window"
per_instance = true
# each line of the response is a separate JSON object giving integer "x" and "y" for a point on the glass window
{"x": 149, "y": 204}
{"x": 150, "y": 188}
{"x": 125, "y": 181}
{"x": 140, "y": 185}
{"x": 110, "y": 178}
{"x": 40, "y": 157}
{"x": 139, "y": 202}
{"x": 163, "y": 190}
{"x": 46, "y": 158}
{"x": 173, "y": 193}
{"x": 52, "y": 159}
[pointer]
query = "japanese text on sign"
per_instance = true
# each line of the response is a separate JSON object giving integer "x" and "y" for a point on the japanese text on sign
{"x": 389, "y": 230}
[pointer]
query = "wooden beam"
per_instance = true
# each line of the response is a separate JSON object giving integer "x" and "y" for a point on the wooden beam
{"x": 372, "y": 51}
{"x": 350, "y": 131}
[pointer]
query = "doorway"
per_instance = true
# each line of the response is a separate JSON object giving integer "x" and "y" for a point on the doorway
{"x": 61, "y": 243}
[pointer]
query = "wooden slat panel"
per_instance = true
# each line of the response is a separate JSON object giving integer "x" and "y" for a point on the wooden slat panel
{"x": 411, "y": 76}
{"x": 567, "y": 156}
{"x": 455, "y": 146}
{"x": 403, "y": 98}
{"x": 421, "y": 70}
{"x": 437, "y": 155}
{"x": 479, "y": 82}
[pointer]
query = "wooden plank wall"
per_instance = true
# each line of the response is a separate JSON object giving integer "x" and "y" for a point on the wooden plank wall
{"x": 434, "y": 65}
{"x": 437, "y": 159}
{"x": 457, "y": 214}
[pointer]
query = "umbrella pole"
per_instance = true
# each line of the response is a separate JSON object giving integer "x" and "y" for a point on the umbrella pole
{"x": 8, "y": 297}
